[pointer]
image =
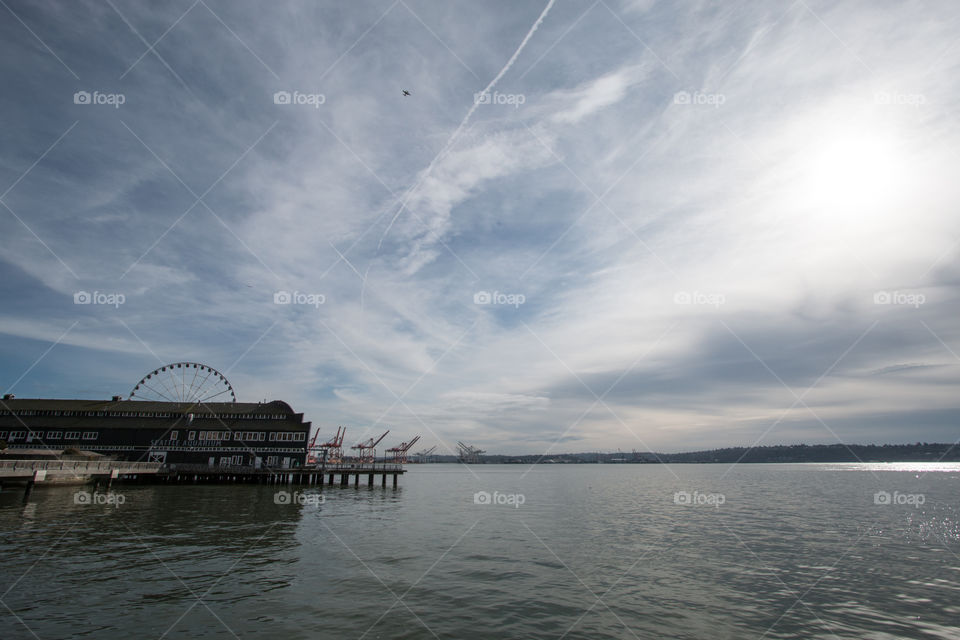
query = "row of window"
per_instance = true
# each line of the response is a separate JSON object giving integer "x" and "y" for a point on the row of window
{"x": 143, "y": 414}
{"x": 36, "y": 436}
{"x": 246, "y": 436}
{"x": 272, "y": 461}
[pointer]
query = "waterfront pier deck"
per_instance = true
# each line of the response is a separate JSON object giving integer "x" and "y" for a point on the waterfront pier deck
{"x": 55, "y": 470}
{"x": 331, "y": 475}
{"x": 33, "y": 472}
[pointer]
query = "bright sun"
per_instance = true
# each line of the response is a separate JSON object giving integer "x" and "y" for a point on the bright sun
{"x": 851, "y": 175}
{"x": 843, "y": 181}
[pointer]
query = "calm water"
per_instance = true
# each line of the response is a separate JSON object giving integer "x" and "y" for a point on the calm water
{"x": 593, "y": 551}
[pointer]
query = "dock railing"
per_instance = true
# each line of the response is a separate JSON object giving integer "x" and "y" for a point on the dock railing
{"x": 379, "y": 467}
{"x": 81, "y": 467}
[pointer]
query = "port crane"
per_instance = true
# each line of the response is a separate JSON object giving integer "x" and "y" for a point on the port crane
{"x": 328, "y": 452}
{"x": 424, "y": 456}
{"x": 469, "y": 454}
{"x": 366, "y": 449}
{"x": 400, "y": 451}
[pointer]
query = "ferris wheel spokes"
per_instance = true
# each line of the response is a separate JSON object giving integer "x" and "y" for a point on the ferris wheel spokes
{"x": 176, "y": 383}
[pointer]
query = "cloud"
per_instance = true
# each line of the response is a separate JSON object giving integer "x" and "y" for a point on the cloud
{"x": 596, "y": 94}
{"x": 656, "y": 242}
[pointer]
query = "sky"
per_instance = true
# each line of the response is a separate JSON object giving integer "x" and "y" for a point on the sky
{"x": 629, "y": 224}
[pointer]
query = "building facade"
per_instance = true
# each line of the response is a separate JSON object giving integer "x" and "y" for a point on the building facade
{"x": 218, "y": 434}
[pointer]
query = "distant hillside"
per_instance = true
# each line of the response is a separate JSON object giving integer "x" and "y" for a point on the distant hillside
{"x": 919, "y": 452}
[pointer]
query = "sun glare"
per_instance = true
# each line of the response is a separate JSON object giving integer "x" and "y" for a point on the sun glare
{"x": 852, "y": 175}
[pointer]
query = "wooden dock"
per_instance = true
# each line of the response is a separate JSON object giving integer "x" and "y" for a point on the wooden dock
{"x": 330, "y": 475}
{"x": 33, "y": 472}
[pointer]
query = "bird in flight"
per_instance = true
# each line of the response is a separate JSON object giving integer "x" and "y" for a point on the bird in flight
{"x": 405, "y": 92}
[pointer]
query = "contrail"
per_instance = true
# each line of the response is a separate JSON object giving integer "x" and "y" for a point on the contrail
{"x": 466, "y": 119}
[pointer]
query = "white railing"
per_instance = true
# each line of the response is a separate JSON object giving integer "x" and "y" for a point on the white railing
{"x": 78, "y": 466}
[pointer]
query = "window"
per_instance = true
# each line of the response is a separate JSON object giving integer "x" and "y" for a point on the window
{"x": 192, "y": 435}
{"x": 3, "y": 435}
{"x": 174, "y": 435}
{"x": 17, "y": 435}
{"x": 273, "y": 436}
{"x": 290, "y": 436}
{"x": 35, "y": 436}
{"x": 90, "y": 435}
{"x": 71, "y": 435}
{"x": 54, "y": 435}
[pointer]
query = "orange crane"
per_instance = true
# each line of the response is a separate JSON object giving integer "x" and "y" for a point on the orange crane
{"x": 400, "y": 451}
{"x": 331, "y": 451}
{"x": 366, "y": 449}
{"x": 312, "y": 447}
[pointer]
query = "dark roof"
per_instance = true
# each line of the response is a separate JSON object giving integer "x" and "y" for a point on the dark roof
{"x": 46, "y": 404}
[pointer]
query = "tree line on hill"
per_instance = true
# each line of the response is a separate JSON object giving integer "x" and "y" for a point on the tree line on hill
{"x": 918, "y": 452}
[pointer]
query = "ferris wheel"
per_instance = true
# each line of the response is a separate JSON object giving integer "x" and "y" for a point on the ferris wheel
{"x": 184, "y": 382}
